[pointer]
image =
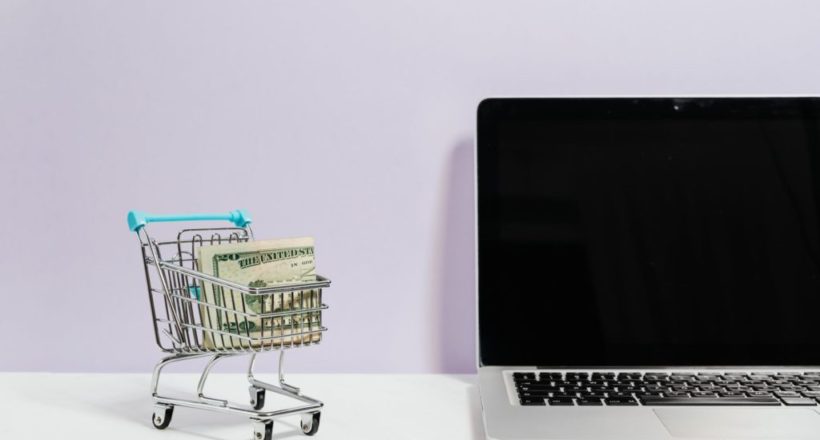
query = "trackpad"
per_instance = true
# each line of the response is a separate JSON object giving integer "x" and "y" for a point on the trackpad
{"x": 741, "y": 423}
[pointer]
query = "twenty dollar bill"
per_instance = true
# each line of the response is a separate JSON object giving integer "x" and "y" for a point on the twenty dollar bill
{"x": 229, "y": 316}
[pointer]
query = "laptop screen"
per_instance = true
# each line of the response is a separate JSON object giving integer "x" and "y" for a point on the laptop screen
{"x": 649, "y": 232}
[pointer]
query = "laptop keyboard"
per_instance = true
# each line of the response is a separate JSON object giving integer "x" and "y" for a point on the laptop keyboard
{"x": 624, "y": 389}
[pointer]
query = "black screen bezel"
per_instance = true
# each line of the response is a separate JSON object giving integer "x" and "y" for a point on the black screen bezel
{"x": 493, "y": 111}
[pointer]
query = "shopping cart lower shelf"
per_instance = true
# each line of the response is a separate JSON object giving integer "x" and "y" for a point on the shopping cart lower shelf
{"x": 184, "y": 326}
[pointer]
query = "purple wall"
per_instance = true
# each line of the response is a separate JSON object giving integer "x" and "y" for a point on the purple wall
{"x": 348, "y": 121}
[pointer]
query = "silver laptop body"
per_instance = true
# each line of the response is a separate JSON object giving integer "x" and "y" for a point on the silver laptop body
{"x": 647, "y": 268}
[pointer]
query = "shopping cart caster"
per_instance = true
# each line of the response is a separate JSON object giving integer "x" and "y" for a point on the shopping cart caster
{"x": 310, "y": 423}
{"x": 257, "y": 397}
{"x": 162, "y": 416}
{"x": 262, "y": 429}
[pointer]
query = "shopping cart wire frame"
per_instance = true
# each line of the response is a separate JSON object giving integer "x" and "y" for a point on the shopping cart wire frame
{"x": 289, "y": 316}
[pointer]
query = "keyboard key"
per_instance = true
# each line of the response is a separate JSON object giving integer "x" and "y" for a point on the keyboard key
{"x": 603, "y": 376}
{"x": 792, "y": 388}
{"x": 577, "y": 376}
{"x": 676, "y": 394}
{"x": 621, "y": 401}
{"x": 628, "y": 376}
{"x": 648, "y": 394}
{"x": 560, "y": 401}
{"x": 707, "y": 376}
{"x": 762, "y": 375}
{"x": 538, "y": 388}
{"x": 574, "y": 389}
{"x": 532, "y": 402}
{"x": 759, "y": 393}
{"x": 549, "y": 376}
{"x": 532, "y": 394}
{"x": 722, "y": 401}
{"x": 802, "y": 401}
{"x": 732, "y": 394}
{"x": 630, "y": 389}
{"x": 588, "y": 401}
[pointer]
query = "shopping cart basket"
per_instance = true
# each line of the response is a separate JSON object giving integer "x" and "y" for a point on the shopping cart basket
{"x": 182, "y": 319}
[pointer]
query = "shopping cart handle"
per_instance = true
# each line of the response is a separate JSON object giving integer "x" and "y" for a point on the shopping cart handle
{"x": 138, "y": 219}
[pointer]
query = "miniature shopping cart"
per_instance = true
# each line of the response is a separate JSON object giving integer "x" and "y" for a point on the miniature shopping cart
{"x": 183, "y": 323}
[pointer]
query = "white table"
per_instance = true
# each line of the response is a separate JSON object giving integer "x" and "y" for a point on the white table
{"x": 357, "y": 406}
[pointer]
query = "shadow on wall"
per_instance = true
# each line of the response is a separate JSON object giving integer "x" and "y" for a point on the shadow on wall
{"x": 456, "y": 290}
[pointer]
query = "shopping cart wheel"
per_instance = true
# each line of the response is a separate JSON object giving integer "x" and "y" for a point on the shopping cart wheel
{"x": 262, "y": 429}
{"x": 257, "y": 397}
{"x": 310, "y": 423}
{"x": 162, "y": 415}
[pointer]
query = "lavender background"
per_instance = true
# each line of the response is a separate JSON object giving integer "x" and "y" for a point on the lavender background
{"x": 352, "y": 121}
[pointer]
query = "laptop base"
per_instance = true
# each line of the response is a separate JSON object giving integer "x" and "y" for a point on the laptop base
{"x": 505, "y": 419}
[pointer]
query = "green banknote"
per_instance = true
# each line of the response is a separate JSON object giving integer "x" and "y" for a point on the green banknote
{"x": 262, "y": 263}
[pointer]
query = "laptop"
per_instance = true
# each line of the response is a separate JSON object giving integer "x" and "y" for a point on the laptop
{"x": 649, "y": 268}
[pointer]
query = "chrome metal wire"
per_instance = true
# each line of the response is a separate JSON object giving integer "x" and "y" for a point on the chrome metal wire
{"x": 184, "y": 321}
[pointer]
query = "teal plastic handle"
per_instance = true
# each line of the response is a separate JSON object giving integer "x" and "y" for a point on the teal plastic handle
{"x": 138, "y": 219}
